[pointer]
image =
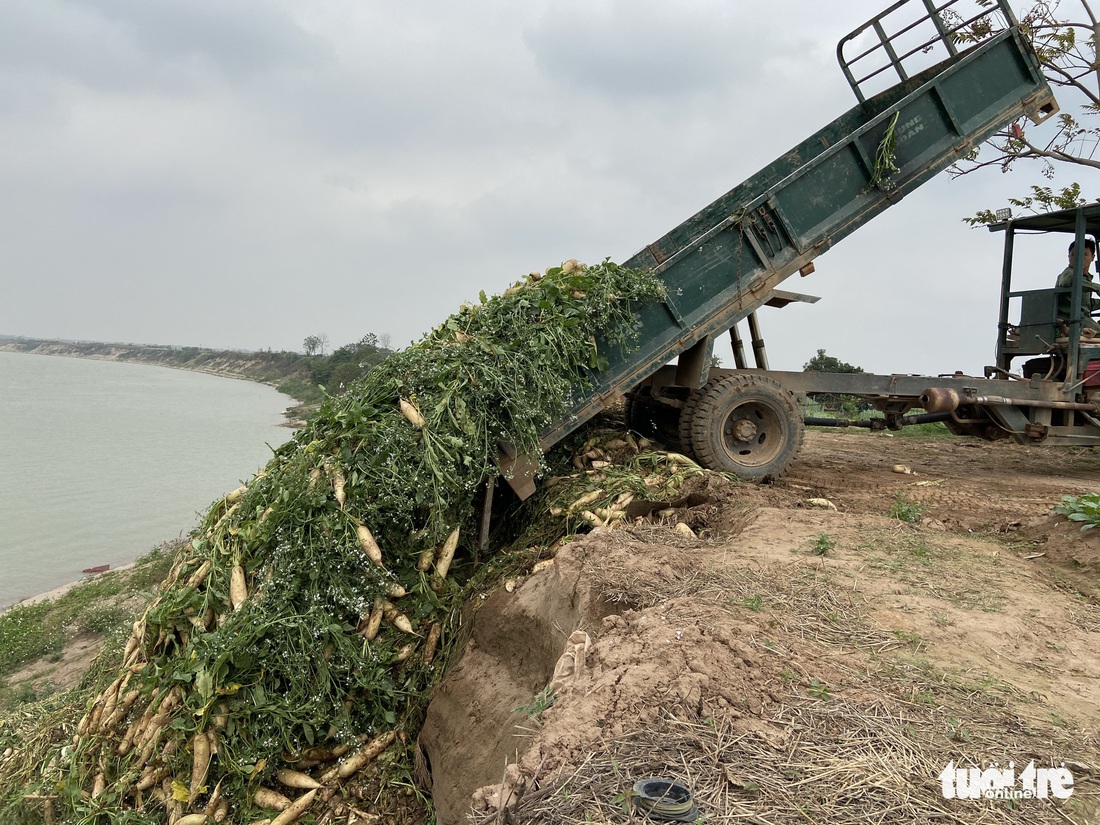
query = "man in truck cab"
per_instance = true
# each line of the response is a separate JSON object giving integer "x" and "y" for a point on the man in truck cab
{"x": 1089, "y": 289}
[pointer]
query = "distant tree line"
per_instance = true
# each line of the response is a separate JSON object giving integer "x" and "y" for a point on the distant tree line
{"x": 347, "y": 363}
{"x": 298, "y": 375}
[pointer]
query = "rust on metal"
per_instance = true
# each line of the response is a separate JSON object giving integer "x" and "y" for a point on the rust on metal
{"x": 611, "y": 397}
{"x": 1036, "y": 432}
{"x": 654, "y": 250}
{"x": 947, "y": 399}
{"x": 940, "y": 399}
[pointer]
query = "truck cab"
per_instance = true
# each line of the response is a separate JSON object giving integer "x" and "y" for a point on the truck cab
{"x": 1033, "y": 339}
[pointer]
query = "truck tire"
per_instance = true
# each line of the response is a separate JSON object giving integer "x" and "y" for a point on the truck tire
{"x": 747, "y": 425}
{"x": 687, "y": 415}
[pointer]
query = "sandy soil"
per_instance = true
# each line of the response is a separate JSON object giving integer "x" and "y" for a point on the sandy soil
{"x": 797, "y": 663}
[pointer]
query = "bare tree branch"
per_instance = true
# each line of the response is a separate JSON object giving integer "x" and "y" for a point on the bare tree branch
{"x": 1066, "y": 49}
{"x": 1069, "y": 80}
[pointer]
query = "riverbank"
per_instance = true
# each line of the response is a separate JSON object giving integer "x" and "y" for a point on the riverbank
{"x": 58, "y": 592}
{"x": 48, "y": 641}
{"x": 880, "y": 636}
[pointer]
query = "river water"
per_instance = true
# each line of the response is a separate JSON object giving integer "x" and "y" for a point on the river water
{"x": 101, "y": 461}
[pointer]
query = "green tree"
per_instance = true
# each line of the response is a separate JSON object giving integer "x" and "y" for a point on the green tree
{"x": 1065, "y": 38}
{"x": 848, "y": 404}
{"x": 350, "y": 363}
{"x": 312, "y": 345}
{"x": 827, "y": 363}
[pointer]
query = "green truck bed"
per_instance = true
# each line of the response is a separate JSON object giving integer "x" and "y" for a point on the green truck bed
{"x": 722, "y": 263}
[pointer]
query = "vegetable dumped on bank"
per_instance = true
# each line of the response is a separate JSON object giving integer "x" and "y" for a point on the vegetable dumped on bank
{"x": 296, "y": 637}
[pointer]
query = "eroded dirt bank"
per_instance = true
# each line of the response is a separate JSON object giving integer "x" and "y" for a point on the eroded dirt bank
{"x": 796, "y": 663}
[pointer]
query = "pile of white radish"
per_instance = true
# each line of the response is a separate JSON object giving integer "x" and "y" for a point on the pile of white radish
{"x": 283, "y": 668}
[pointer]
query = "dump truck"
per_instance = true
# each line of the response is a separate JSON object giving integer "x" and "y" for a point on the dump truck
{"x": 954, "y": 74}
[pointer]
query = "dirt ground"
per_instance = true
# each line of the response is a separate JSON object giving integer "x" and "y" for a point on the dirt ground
{"x": 795, "y": 662}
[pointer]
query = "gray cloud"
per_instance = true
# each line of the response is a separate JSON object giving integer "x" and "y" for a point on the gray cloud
{"x": 127, "y": 44}
{"x": 648, "y": 50}
{"x": 244, "y": 174}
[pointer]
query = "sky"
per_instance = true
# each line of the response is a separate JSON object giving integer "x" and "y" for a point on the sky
{"x": 243, "y": 174}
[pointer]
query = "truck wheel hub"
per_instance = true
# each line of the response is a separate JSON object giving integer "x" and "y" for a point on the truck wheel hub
{"x": 743, "y": 430}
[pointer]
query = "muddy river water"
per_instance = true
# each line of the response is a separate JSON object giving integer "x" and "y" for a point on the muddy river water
{"x": 101, "y": 461}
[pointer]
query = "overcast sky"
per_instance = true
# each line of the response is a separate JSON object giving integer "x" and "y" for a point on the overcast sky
{"x": 245, "y": 173}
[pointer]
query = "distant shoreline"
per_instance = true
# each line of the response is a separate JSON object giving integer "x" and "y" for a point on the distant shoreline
{"x": 122, "y": 354}
{"x": 271, "y": 369}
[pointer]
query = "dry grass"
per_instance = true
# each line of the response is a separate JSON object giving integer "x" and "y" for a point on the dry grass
{"x": 928, "y": 563}
{"x": 799, "y": 598}
{"x": 829, "y": 761}
{"x": 31, "y": 739}
{"x": 866, "y": 749}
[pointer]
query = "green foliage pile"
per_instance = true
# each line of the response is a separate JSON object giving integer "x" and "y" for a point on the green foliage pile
{"x": 304, "y": 623}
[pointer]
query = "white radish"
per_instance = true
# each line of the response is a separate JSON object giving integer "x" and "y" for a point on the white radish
{"x": 368, "y": 544}
{"x": 446, "y": 554}
{"x": 434, "y": 633}
{"x": 371, "y": 751}
{"x": 412, "y": 414}
{"x": 396, "y": 618}
{"x": 270, "y": 800}
{"x": 238, "y": 587}
{"x": 295, "y": 810}
{"x": 338, "y": 482}
{"x": 374, "y": 621}
{"x": 200, "y": 762}
{"x": 297, "y": 779}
